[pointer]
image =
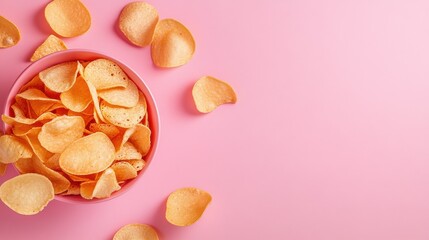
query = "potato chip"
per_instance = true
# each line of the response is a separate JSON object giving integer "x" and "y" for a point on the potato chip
{"x": 127, "y": 152}
{"x": 51, "y": 94}
{"x": 27, "y": 194}
{"x": 61, "y": 77}
{"x": 33, "y": 141}
{"x": 68, "y": 18}
{"x": 109, "y": 129}
{"x": 86, "y": 189}
{"x": 138, "y": 164}
{"x": 137, "y": 22}
{"x": 102, "y": 188}
{"x": 3, "y": 168}
{"x": 17, "y": 111}
{"x": 27, "y": 121}
{"x": 141, "y": 139}
{"x": 124, "y": 171}
{"x": 78, "y": 97}
{"x": 122, "y": 97}
{"x": 33, "y": 94}
{"x": 105, "y": 74}
{"x": 82, "y": 178}
{"x": 53, "y": 162}
{"x": 137, "y": 232}
{"x": 74, "y": 189}
{"x": 185, "y": 206}
{"x": 172, "y": 45}
{"x": 13, "y": 148}
{"x": 124, "y": 117}
{"x": 86, "y": 118}
{"x": 123, "y": 137}
{"x": 98, "y": 116}
{"x": 60, "y": 132}
{"x": 91, "y": 154}
{"x": 9, "y": 33}
{"x": 209, "y": 93}
{"x": 50, "y": 45}
{"x": 35, "y": 82}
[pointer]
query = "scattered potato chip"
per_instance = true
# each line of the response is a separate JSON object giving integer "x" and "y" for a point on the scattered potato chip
{"x": 78, "y": 97}
{"x": 141, "y": 139}
{"x": 27, "y": 194}
{"x": 61, "y": 77}
{"x": 9, "y": 33}
{"x": 138, "y": 164}
{"x": 60, "y": 132}
{"x": 109, "y": 129}
{"x": 122, "y": 97}
{"x": 12, "y": 149}
{"x": 33, "y": 141}
{"x": 68, "y": 18}
{"x": 209, "y": 93}
{"x": 124, "y": 171}
{"x": 172, "y": 45}
{"x": 185, "y": 206}
{"x": 105, "y": 74}
{"x": 136, "y": 232}
{"x": 50, "y": 45}
{"x": 124, "y": 117}
{"x": 2, "y": 168}
{"x": 91, "y": 154}
{"x": 137, "y": 22}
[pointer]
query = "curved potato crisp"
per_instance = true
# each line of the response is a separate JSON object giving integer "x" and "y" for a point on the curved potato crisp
{"x": 27, "y": 121}
{"x": 122, "y": 97}
{"x": 124, "y": 171}
{"x": 185, "y": 206}
{"x": 141, "y": 139}
{"x": 9, "y": 33}
{"x": 12, "y": 149}
{"x": 68, "y": 18}
{"x": 60, "y": 132}
{"x": 78, "y": 97}
{"x": 53, "y": 162}
{"x": 127, "y": 152}
{"x": 91, "y": 154}
{"x": 105, "y": 74}
{"x": 50, "y": 45}
{"x": 61, "y": 77}
{"x": 124, "y": 117}
{"x": 209, "y": 93}
{"x": 102, "y": 188}
{"x": 138, "y": 164}
{"x": 122, "y": 138}
{"x": 172, "y": 45}
{"x": 35, "y": 82}
{"x": 33, "y": 141}
{"x": 27, "y": 194}
{"x": 109, "y": 129}
{"x": 137, "y": 22}
{"x": 137, "y": 232}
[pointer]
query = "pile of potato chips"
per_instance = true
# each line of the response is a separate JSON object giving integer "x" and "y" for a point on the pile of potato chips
{"x": 83, "y": 125}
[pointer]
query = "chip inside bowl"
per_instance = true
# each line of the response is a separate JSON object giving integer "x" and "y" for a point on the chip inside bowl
{"x": 9, "y": 33}
{"x": 50, "y": 45}
{"x": 136, "y": 231}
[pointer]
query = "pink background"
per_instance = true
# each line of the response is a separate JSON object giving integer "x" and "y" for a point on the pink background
{"x": 327, "y": 141}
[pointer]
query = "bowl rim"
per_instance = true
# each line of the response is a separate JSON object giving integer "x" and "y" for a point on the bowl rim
{"x": 56, "y": 58}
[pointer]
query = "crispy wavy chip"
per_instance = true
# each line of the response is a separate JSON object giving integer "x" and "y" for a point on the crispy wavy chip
{"x": 137, "y": 22}
{"x": 50, "y": 45}
{"x": 127, "y": 152}
{"x": 102, "y": 188}
{"x": 27, "y": 121}
{"x": 138, "y": 164}
{"x": 27, "y": 194}
{"x": 105, "y": 74}
{"x": 124, "y": 117}
{"x": 61, "y": 77}
{"x": 78, "y": 97}
{"x": 68, "y": 18}
{"x": 60, "y": 132}
{"x": 74, "y": 189}
{"x": 137, "y": 232}
{"x": 34, "y": 94}
{"x": 3, "y": 168}
{"x": 53, "y": 162}
{"x": 141, "y": 139}
{"x": 123, "y": 137}
{"x": 9, "y": 33}
{"x": 122, "y": 97}
{"x": 35, "y": 82}
{"x": 209, "y": 93}
{"x": 98, "y": 116}
{"x": 13, "y": 148}
{"x": 172, "y": 45}
{"x": 33, "y": 141}
{"x": 185, "y": 206}
{"x": 91, "y": 154}
{"x": 17, "y": 111}
{"x": 109, "y": 129}
{"x": 124, "y": 171}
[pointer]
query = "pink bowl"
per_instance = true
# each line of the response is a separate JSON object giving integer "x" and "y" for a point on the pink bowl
{"x": 87, "y": 55}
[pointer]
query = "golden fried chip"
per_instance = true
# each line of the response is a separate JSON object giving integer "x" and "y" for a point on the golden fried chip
{"x": 86, "y": 189}
{"x": 102, "y": 188}
{"x": 123, "y": 137}
{"x": 50, "y": 45}
{"x": 34, "y": 94}
{"x": 109, "y": 129}
{"x": 209, "y": 93}
{"x": 68, "y": 18}
{"x": 98, "y": 116}
{"x": 124, "y": 117}
{"x": 60, "y": 132}
{"x": 172, "y": 45}
{"x": 137, "y": 22}
{"x": 124, "y": 171}
{"x": 33, "y": 141}
{"x": 127, "y": 152}
{"x": 87, "y": 118}
{"x": 9, "y": 33}
{"x": 53, "y": 162}
{"x": 91, "y": 154}
{"x": 122, "y": 97}
{"x": 105, "y": 74}
{"x": 82, "y": 178}
{"x": 13, "y": 148}
{"x": 185, "y": 206}
{"x": 78, "y": 97}
{"x": 3, "y": 168}
{"x": 61, "y": 77}
{"x": 27, "y": 121}
{"x": 27, "y": 194}
{"x": 17, "y": 111}
{"x": 35, "y": 82}
{"x": 141, "y": 139}
{"x": 137, "y": 232}
{"x": 138, "y": 164}
{"x": 74, "y": 189}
